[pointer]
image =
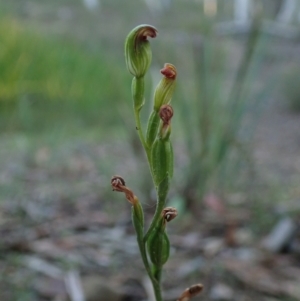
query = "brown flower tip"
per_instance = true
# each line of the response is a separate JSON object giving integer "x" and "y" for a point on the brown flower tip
{"x": 191, "y": 292}
{"x": 169, "y": 71}
{"x": 166, "y": 113}
{"x": 195, "y": 289}
{"x": 146, "y": 31}
{"x": 118, "y": 184}
{"x": 169, "y": 213}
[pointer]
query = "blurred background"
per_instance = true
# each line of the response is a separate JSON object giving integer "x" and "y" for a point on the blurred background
{"x": 67, "y": 126}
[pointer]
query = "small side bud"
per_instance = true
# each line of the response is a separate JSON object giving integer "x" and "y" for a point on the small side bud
{"x": 138, "y": 53}
{"x": 165, "y": 88}
{"x": 169, "y": 213}
{"x": 162, "y": 150}
{"x": 191, "y": 292}
{"x": 165, "y": 114}
{"x": 118, "y": 184}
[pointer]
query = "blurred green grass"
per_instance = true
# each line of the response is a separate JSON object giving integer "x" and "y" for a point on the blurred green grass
{"x": 45, "y": 81}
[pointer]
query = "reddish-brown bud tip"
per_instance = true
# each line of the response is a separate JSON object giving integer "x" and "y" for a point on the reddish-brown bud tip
{"x": 195, "y": 289}
{"x": 145, "y": 32}
{"x": 169, "y": 213}
{"x": 166, "y": 113}
{"x": 117, "y": 182}
{"x": 169, "y": 71}
{"x": 191, "y": 292}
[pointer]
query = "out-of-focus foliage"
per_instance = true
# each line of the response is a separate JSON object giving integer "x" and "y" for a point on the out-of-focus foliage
{"x": 291, "y": 87}
{"x": 45, "y": 80}
{"x": 216, "y": 104}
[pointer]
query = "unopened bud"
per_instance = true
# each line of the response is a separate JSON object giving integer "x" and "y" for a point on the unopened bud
{"x": 118, "y": 184}
{"x": 169, "y": 213}
{"x": 158, "y": 244}
{"x": 162, "y": 160}
{"x": 164, "y": 90}
{"x": 169, "y": 71}
{"x": 138, "y": 53}
{"x": 191, "y": 292}
{"x": 166, "y": 113}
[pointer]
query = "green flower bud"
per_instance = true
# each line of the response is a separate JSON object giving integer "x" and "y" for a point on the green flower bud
{"x": 152, "y": 128}
{"x": 165, "y": 114}
{"x": 162, "y": 157}
{"x": 138, "y": 53}
{"x": 159, "y": 245}
{"x": 162, "y": 160}
{"x": 163, "y": 189}
{"x": 164, "y": 90}
{"x": 170, "y": 166}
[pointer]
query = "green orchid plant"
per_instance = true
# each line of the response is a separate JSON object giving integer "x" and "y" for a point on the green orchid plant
{"x": 153, "y": 244}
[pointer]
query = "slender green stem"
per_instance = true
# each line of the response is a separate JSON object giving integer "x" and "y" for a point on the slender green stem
{"x": 139, "y": 129}
{"x": 144, "y": 256}
{"x": 157, "y": 273}
{"x": 141, "y": 135}
{"x": 138, "y": 88}
{"x": 153, "y": 277}
{"x": 138, "y": 97}
{"x": 138, "y": 222}
{"x": 157, "y": 288}
{"x": 160, "y": 206}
